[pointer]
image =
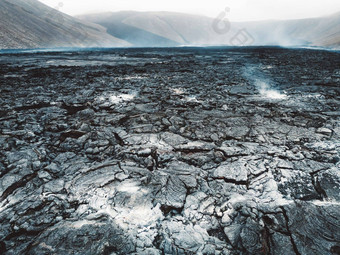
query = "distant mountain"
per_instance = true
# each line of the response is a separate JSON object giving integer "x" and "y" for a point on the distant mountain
{"x": 173, "y": 29}
{"x": 324, "y": 32}
{"x": 31, "y": 24}
{"x": 162, "y": 28}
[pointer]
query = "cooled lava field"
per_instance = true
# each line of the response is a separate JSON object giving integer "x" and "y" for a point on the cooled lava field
{"x": 170, "y": 151}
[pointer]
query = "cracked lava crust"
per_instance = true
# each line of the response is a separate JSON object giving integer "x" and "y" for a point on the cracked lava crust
{"x": 170, "y": 151}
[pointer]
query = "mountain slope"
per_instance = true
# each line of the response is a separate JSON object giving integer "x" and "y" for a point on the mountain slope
{"x": 171, "y": 29}
{"x": 324, "y": 31}
{"x": 31, "y": 24}
{"x": 161, "y": 28}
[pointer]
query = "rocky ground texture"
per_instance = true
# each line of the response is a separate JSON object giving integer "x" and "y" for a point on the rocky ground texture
{"x": 170, "y": 151}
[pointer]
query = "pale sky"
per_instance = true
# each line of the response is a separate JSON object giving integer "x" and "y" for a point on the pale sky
{"x": 240, "y": 10}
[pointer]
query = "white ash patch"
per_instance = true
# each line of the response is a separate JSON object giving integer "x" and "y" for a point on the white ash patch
{"x": 266, "y": 91}
{"x": 116, "y": 99}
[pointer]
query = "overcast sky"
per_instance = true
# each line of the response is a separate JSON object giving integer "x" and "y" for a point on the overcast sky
{"x": 240, "y": 10}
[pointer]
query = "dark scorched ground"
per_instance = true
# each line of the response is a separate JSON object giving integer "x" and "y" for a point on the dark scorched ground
{"x": 170, "y": 151}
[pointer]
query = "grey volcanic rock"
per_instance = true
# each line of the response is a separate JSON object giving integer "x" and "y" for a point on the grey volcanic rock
{"x": 82, "y": 238}
{"x": 170, "y": 151}
{"x": 31, "y": 24}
